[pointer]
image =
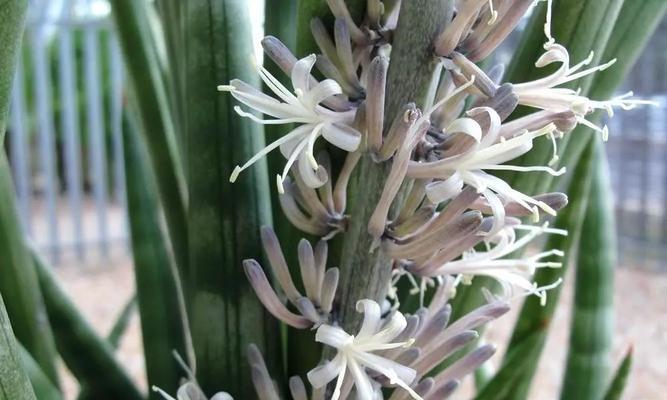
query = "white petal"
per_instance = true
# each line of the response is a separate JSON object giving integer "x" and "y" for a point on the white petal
{"x": 222, "y": 396}
{"x": 440, "y": 191}
{"x": 342, "y": 136}
{"x": 301, "y": 73}
{"x": 467, "y": 126}
{"x": 332, "y": 336}
{"x": 325, "y": 373}
{"x": 371, "y": 323}
{"x": 362, "y": 382}
{"x": 321, "y": 92}
{"x": 312, "y": 178}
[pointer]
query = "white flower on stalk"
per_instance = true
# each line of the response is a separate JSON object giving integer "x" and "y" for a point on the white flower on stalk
{"x": 545, "y": 94}
{"x": 488, "y": 153}
{"x": 355, "y": 354}
{"x": 303, "y": 108}
{"x": 511, "y": 273}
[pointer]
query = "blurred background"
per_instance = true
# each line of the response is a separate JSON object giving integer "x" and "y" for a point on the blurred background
{"x": 65, "y": 148}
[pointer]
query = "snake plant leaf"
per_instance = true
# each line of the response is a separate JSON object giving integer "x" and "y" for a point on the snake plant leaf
{"x": 12, "y": 15}
{"x": 41, "y": 384}
{"x": 119, "y": 327}
{"x": 158, "y": 292}
{"x": 592, "y": 327}
{"x": 620, "y": 378}
{"x": 18, "y": 282}
{"x": 89, "y": 357}
{"x": 142, "y": 62}
{"x": 113, "y": 338}
{"x": 514, "y": 370}
{"x": 535, "y": 318}
{"x": 14, "y": 382}
{"x": 224, "y": 218}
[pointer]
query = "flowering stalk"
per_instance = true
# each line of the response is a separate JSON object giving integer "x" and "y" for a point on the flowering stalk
{"x": 409, "y": 73}
{"x": 423, "y": 205}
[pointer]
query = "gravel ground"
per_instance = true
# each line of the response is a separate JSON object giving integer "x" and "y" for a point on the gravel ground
{"x": 102, "y": 291}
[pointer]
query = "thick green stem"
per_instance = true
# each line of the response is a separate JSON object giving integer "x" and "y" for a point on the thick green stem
{"x": 14, "y": 382}
{"x": 365, "y": 272}
{"x": 224, "y": 218}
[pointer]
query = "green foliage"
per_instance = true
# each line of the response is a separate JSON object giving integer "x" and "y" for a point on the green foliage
{"x": 620, "y": 378}
{"x": 160, "y": 303}
{"x": 592, "y": 315}
{"x": 143, "y": 64}
{"x": 41, "y": 384}
{"x": 18, "y": 282}
{"x": 14, "y": 382}
{"x": 223, "y": 220}
{"x": 89, "y": 357}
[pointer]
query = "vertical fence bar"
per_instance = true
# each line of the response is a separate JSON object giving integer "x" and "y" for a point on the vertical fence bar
{"x": 96, "y": 142}
{"x": 116, "y": 68}
{"x": 20, "y": 156}
{"x": 70, "y": 132}
{"x": 45, "y": 132}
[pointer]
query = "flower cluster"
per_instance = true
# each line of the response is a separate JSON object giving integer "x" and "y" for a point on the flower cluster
{"x": 442, "y": 157}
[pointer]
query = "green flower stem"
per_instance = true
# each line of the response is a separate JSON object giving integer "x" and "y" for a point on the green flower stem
{"x": 366, "y": 273}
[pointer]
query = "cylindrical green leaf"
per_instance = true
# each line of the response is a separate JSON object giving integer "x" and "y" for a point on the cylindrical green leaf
{"x": 592, "y": 327}
{"x": 142, "y": 62}
{"x": 41, "y": 384}
{"x": 162, "y": 320}
{"x": 18, "y": 282}
{"x": 89, "y": 357}
{"x": 12, "y": 15}
{"x": 14, "y": 383}
{"x": 224, "y": 218}
{"x": 620, "y": 378}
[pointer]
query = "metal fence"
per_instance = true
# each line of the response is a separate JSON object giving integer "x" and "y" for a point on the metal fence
{"x": 65, "y": 143}
{"x": 64, "y": 136}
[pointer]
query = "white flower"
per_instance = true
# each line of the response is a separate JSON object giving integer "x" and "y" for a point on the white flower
{"x": 511, "y": 273}
{"x": 355, "y": 354}
{"x": 191, "y": 391}
{"x": 544, "y": 94}
{"x": 486, "y": 154}
{"x": 301, "y": 107}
